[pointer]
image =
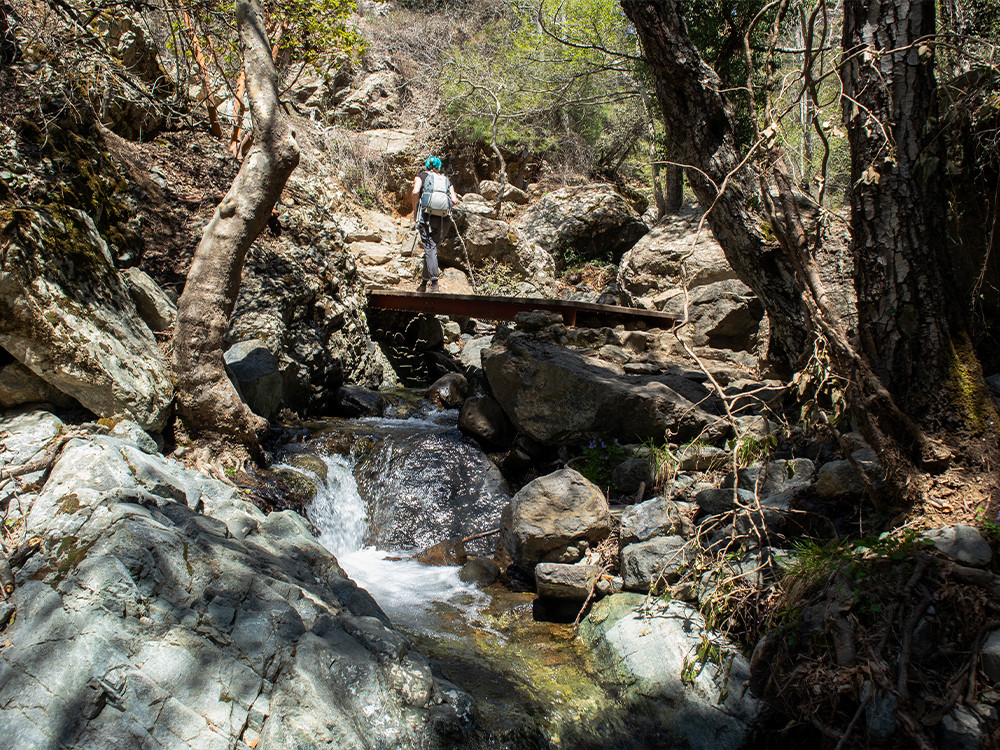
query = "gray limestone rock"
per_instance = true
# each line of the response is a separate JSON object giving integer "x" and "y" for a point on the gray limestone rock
{"x": 100, "y": 352}
{"x": 656, "y": 517}
{"x": 963, "y": 544}
{"x": 644, "y": 646}
{"x": 143, "y": 622}
{"x": 19, "y": 385}
{"x": 660, "y": 559}
{"x": 552, "y": 512}
{"x": 561, "y": 581}
{"x": 151, "y": 302}
{"x": 255, "y": 372}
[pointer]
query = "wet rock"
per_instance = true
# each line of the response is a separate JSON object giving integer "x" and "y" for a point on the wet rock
{"x": 590, "y": 221}
{"x": 358, "y": 401}
{"x": 308, "y": 462}
{"x": 482, "y": 418}
{"x": 963, "y": 544}
{"x": 19, "y": 385}
{"x": 78, "y": 330}
{"x": 556, "y": 396}
{"x": 301, "y": 485}
{"x": 480, "y": 571}
{"x": 186, "y": 633}
{"x": 645, "y": 647}
{"x": 255, "y": 372}
{"x": 151, "y": 302}
{"x": 448, "y": 552}
{"x": 560, "y": 581}
{"x": 658, "y": 560}
{"x": 427, "y": 485}
{"x": 656, "y": 517}
{"x": 448, "y": 391}
{"x": 551, "y": 513}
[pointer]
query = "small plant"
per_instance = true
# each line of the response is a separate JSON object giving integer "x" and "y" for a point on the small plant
{"x": 497, "y": 278}
{"x": 599, "y": 458}
{"x": 989, "y": 524}
{"x": 750, "y": 450}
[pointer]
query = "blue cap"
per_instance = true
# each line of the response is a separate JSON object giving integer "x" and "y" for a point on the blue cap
{"x": 432, "y": 163}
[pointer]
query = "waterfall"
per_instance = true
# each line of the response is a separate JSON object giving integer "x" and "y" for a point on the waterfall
{"x": 411, "y": 594}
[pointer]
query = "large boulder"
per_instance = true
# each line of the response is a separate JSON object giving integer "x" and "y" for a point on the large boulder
{"x": 586, "y": 222}
{"x": 163, "y": 610}
{"x": 487, "y": 240}
{"x": 649, "y": 648}
{"x": 675, "y": 252}
{"x": 67, "y": 316}
{"x": 305, "y": 304}
{"x": 721, "y": 315}
{"x": 254, "y": 370}
{"x": 556, "y": 395}
{"x": 551, "y": 514}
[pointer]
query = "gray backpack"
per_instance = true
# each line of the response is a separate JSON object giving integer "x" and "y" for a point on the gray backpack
{"x": 435, "y": 196}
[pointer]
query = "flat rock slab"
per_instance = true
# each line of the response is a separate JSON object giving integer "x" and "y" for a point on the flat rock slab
{"x": 557, "y": 395}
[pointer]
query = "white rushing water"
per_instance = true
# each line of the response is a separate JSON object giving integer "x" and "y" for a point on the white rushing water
{"x": 409, "y": 592}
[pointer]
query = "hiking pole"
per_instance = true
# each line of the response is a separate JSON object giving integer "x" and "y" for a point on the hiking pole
{"x": 465, "y": 251}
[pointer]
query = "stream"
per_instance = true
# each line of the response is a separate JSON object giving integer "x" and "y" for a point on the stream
{"x": 388, "y": 488}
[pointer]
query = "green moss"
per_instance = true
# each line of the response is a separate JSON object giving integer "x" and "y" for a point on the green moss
{"x": 71, "y": 504}
{"x": 966, "y": 389}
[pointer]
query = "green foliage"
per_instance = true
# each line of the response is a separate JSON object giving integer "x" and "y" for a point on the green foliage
{"x": 855, "y": 556}
{"x": 750, "y": 450}
{"x": 989, "y": 524}
{"x": 598, "y": 459}
{"x": 497, "y": 279}
{"x": 516, "y": 81}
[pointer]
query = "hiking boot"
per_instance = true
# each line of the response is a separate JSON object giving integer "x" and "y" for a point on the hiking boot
{"x": 423, "y": 286}
{"x": 434, "y": 287}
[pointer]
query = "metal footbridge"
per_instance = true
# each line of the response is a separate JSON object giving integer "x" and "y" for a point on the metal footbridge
{"x": 582, "y": 314}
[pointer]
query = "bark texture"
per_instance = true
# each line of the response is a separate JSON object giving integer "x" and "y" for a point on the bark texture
{"x": 898, "y": 203}
{"x": 207, "y": 401}
{"x": 700, "y": 129}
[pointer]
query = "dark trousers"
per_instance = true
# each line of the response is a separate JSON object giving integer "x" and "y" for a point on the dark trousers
{"x": 431, "y": 232}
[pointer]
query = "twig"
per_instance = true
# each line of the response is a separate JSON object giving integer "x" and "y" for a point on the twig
{"x": 854, "y": 720}
{"x": 474, "y": 537}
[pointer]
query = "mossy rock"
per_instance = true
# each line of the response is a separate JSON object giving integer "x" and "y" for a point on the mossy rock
{"x": 298, "y": 483}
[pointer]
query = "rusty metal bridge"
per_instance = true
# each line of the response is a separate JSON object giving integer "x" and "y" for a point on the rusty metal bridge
{"x": 583, "y": 314}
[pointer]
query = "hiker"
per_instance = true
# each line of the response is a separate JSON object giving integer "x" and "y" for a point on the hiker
{"x": 433, "y": 196}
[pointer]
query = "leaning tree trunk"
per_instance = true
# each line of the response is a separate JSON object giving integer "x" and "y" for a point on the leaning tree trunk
{"x": 207, "y": 402}
{"x": 699, "y": 125}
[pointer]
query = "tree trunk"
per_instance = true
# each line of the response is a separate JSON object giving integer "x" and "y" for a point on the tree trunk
{"x": 898, "y": 201}
{"x": 699, "y": 124}
{"x": 207, "y": 402}
{"x": 675, "y": 186}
